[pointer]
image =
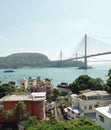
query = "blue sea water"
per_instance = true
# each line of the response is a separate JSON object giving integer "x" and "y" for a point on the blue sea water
{"x": 57, "y": 74}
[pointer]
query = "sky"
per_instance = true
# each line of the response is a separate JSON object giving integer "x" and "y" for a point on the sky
{"x": 51, "y": 26}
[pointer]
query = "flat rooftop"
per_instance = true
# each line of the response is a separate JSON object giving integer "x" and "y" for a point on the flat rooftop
{"x": 35, "y": 96}
{"x": 75, "y": 109}
{"x": 96, "y": 93}
{"x": 104, "y": 111}
{"x": 38, "y": 94}
{"x": 85, "y": 91}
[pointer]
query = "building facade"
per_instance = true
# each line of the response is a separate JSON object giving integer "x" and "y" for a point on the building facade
{"x": 103, "y": 117}
{"x": 88, "y": 101}
{"x": 35, "y": 103}
{"x": 38, "y": 85}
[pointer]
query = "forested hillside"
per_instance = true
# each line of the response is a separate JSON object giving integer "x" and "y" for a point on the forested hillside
{"x": 21, "y": 60}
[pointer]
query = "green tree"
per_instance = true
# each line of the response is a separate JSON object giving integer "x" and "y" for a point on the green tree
{"x": 57, "y": 126}
{"x": 108, "y": 82}
{"x": 80, "y": 83}
{"x": 31, "y": 121}
{"x": 11, "y": 83}
{"x": 86, "y": 82}
{"x": 42, "y": 125}
{"x": 7, "y": 88}
{"x": 8, "y": 114}
{"x": 81, "y": 124}
{"x": 109, "y": 73}
{"x": 53, "y": 120}
{"x": 55, "y": 93}
{"x": 20, "y": 111}
{"x": 87, "y": 127}
{"x": 76, "y": 124}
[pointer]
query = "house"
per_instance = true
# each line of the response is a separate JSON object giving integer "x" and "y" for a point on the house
{"x": 31, "y": 82}
{"x": 35, "y": 103}
{"x": 27, "y": 83}
{"x": 45, "y": 85}
{"x": 49, "y": 88}
{"x": 63, "y": 88}
{"x": 89, "y": 100}
{"x": 103, "y": 117}
{"x": 38, "y": 85}
{"x": 24, "y": 83}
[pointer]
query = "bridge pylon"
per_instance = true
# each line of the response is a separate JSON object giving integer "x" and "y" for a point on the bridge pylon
{"x": 85, "y": 66}
{"x": 85, "y": 56}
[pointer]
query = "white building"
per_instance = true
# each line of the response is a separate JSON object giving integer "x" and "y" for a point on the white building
{"x": 88, "y": 101}
{"x": 73, "y": 112}
{"x": 103, "y": 117}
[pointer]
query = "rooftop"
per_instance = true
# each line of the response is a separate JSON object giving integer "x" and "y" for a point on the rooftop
{"x": 63, "y": 85}
{"x": 105, "y": 111}
{"x": 38, "y": 94}
{"x": 96, "y": 93}
{"x": 75, "y": 109}
{"x": 74, "y": 95}
{"x": 35, "y": 96}
{"x": 85, "y": 91}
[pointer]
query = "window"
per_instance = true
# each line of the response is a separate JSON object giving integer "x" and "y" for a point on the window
{"x": 110, "y": 125}
{"x": 90, "y": 107}
{"x": 95, "y": 106}
{"x": 85, "y": 107}
{"x": 101, "y": 118}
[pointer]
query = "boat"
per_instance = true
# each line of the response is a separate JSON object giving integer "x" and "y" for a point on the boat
{"x": 8, "y": 71}
{"x": 84, "y": 67}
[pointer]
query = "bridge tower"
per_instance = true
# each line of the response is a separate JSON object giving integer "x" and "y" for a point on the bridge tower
{"x": 60, "y": 55}
{"x": 85, "y": 56}
{"x": 85, "y": 66}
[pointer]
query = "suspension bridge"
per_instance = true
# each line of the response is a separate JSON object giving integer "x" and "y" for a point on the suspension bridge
{"x": 87, "y": 54}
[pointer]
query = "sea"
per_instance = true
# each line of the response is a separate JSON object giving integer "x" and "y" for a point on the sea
{"x": 58, "y": 75}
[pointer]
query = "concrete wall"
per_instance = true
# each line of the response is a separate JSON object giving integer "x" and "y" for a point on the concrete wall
{"x": 85, "y": 105}
{"x": 107, "y": 122}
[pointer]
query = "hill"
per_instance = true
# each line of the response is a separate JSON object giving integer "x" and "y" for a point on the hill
{"x": 20, "y": 60}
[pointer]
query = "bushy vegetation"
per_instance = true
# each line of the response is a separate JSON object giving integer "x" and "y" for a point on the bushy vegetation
{"x": 19, "y": 112}
{"x": 10, "y": 88}
{"x": 108, "y": 82}
{"x": 7, "y": 88}
{"x": 75, "y": 124}
{"x": 86, "y": 82}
